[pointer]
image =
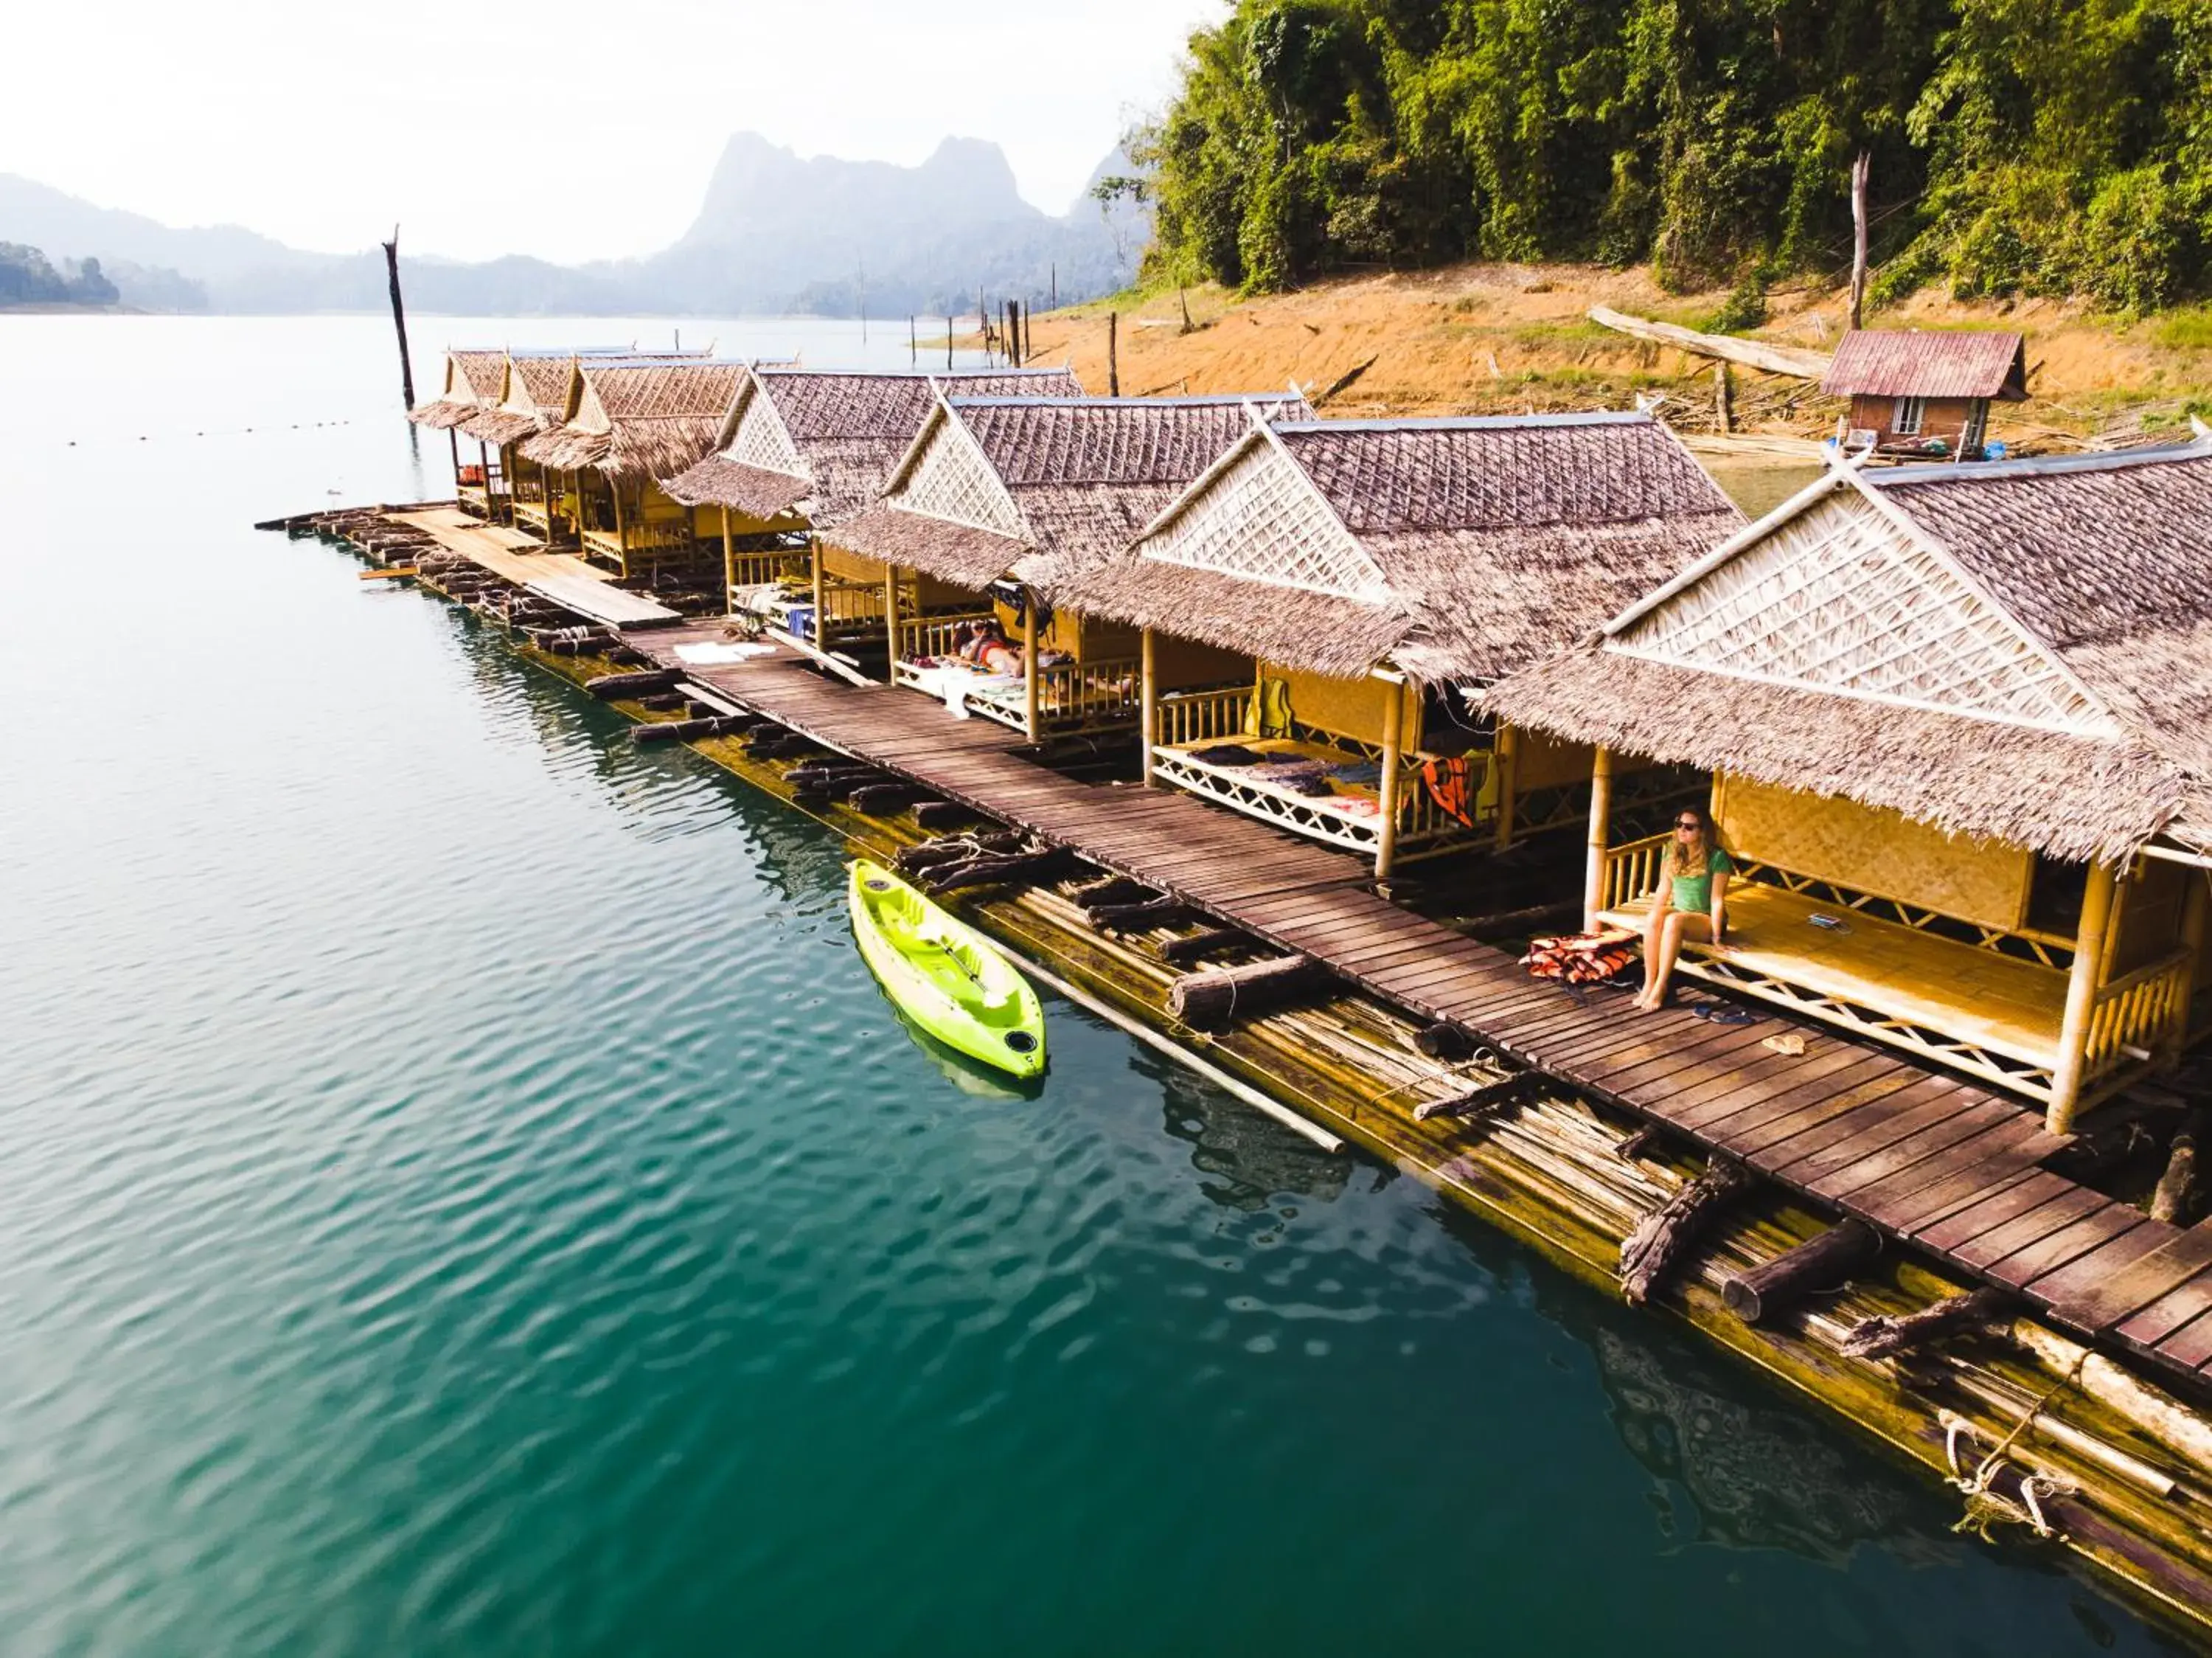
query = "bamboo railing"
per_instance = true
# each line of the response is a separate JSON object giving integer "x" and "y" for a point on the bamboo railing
{"x": 1189, "y": 716}
{"x": 931, "y": 635}
{"x": 1079, "y": 695}
{"x": 1631, "y": 871}
{"x": 2137, "y": 1014}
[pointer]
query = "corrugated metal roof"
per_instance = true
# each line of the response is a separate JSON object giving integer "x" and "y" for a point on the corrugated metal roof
{"x": 1901, "y": 362}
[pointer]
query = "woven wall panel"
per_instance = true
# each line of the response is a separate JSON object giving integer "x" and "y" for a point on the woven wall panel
{"x": 1262, "y": 520}
{"x": 950, "y": 480}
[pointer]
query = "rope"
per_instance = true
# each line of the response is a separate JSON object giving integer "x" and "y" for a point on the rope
{"x": 1985, "y": 1505}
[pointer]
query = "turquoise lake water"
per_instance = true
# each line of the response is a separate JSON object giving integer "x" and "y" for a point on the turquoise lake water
{"x": 463, "y": 1192}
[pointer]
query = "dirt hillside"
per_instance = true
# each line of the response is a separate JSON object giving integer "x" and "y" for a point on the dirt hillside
{"x": 1501, "y": 339}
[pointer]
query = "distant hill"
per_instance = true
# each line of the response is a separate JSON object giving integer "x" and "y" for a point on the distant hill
{"x": 775, "y": 231}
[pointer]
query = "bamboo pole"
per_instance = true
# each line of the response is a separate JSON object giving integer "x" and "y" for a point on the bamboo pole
{"x": 1506, "y": 756}
{"x": 1113, "y": 353}
{"x": 1386, "y": 828}
{"x": 1148, "y": 716}
{"x": 1601, "y": 816}
{"x": 2081, "y": 986}
{"x": 2193, "y": 918}
{"x": 821, "y": 629}
{"x": 1029, "y": 664}
{"x": 890, "y": 615}
{"x": 729, "y": 566}
{"x": 622, "y": 534}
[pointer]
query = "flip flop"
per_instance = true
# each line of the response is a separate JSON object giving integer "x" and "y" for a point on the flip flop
{"x": 1721, "y": 1012}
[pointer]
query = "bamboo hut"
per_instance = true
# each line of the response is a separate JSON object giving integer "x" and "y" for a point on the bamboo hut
{"x": 998, "y": 503}
{"x": 1917, "y": 395}
{"x": 1960, "y": 735}
{"x": 538, "y": 389}
{"x": 476, "y": 382}
{"x": 801, "y": 452}
{"x": 629, "y": 422}
{"x": 1366, "y": 577}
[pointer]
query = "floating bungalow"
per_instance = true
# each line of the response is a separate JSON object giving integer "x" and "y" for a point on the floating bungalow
{"x": 475, "y": 384}
{"x": 1365, "y": 578}
{"x": 801, "y": 452}
{"x": 1917, "y": 395}
{"x": 536, "y": 398}
{"x": 1959, "y": 739}
{"x": 629, "y": 422}
{"x": 998, "y": 503}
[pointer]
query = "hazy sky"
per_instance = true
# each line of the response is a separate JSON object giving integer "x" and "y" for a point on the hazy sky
{"x": 571, "y": 129}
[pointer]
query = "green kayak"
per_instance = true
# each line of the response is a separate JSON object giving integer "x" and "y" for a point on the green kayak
{"x": 943, "y": 976}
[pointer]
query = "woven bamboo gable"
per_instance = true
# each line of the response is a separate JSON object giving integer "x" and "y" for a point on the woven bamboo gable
{"x": 761, "y": 439}
{"x": 949, "y": 478}
{"x": 1260, "y": 519}
{"x": 1843, "y": 597}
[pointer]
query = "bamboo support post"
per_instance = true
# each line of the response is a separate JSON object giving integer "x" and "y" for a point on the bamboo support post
{"x": 814, "y": 554}
{"x": 1148, "y": 717}
{"x": 729, "y": 565}
{"x": 1029, "y": 664}
{"x": 1506, "y": 757}
{"x": 2081, "y": 984}
{"x": 1386, "y": 827}
{"x": 1601, "y": 815}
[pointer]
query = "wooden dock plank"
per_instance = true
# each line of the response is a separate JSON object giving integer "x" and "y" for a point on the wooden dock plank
{"x": 2133, "y": 1289}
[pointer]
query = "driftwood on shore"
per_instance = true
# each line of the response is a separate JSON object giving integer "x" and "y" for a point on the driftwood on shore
{"x": 1752, "y": 353}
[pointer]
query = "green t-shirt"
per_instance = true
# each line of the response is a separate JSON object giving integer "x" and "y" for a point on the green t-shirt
{"x": 1693, "y": 894}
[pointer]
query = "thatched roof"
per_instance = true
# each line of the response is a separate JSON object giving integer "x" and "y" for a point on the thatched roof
{"x": 826, "y": 441}
{"x": 1457, "y": 549}
{"x": 1044, "y": 489}
{"x": 475, "y": 380}
{"x": 2012, "y": 651}
{"x": 1901, "y": 362}
{"x": 638, "y": 416}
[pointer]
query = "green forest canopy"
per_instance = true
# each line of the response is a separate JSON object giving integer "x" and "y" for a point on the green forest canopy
{"x": 2053, "y": 147}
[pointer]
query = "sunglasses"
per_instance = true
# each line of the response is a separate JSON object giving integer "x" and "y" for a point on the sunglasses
{"x": 1687, "y": 823}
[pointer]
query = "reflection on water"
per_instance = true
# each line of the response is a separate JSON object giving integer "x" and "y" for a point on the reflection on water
{"x": 466, "y": 1193}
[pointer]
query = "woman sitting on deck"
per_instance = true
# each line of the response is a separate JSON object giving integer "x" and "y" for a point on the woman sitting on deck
{"x": 1691, "y": 901}
{"x": 987, "y": 648}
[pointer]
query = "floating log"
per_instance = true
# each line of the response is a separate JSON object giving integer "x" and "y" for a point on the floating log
{"x": 1453, "y": 1044}
{"x": 2172, "y": 1424}
{"x": 934, "y": 854}
{"x": 1000, "y": 869}
{"x": 941, "y": 813}
{"x": 1181, "y": 952}
{"x": 1753, "y": 353}
{"x": 1138, "y": 918}
{"x": 612, "y": 686}
{"x": 1885, "y": 1336}
{"x": 1825, "y": 1262}
{"x": 1664, "y": 1235}
{"x": 1485, "y": 1102}
{"x": 2176, "y": 1194}
{"x": 878, "y": 799}
{"x": 665, "y": 702}
{"x": 1114, "y": 889}
{"x": 679, "y": 730}
{"x": 1207, "y": 1000}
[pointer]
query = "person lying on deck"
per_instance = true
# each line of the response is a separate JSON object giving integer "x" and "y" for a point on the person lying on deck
{"x": 985, "y": 645}
{"x": 1691, "y": 901}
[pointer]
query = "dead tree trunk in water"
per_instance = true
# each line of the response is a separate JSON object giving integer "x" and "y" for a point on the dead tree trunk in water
{"x": 399, "y": 319}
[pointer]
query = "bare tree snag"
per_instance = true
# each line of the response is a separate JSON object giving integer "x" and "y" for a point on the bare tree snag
{"x": 1663, "y": 1236}
{"x": 1862, "y": 168}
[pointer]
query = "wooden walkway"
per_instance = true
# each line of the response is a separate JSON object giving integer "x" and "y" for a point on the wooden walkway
{"x": 1951, "y": 1166}
{"x": 559, "y": 578}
